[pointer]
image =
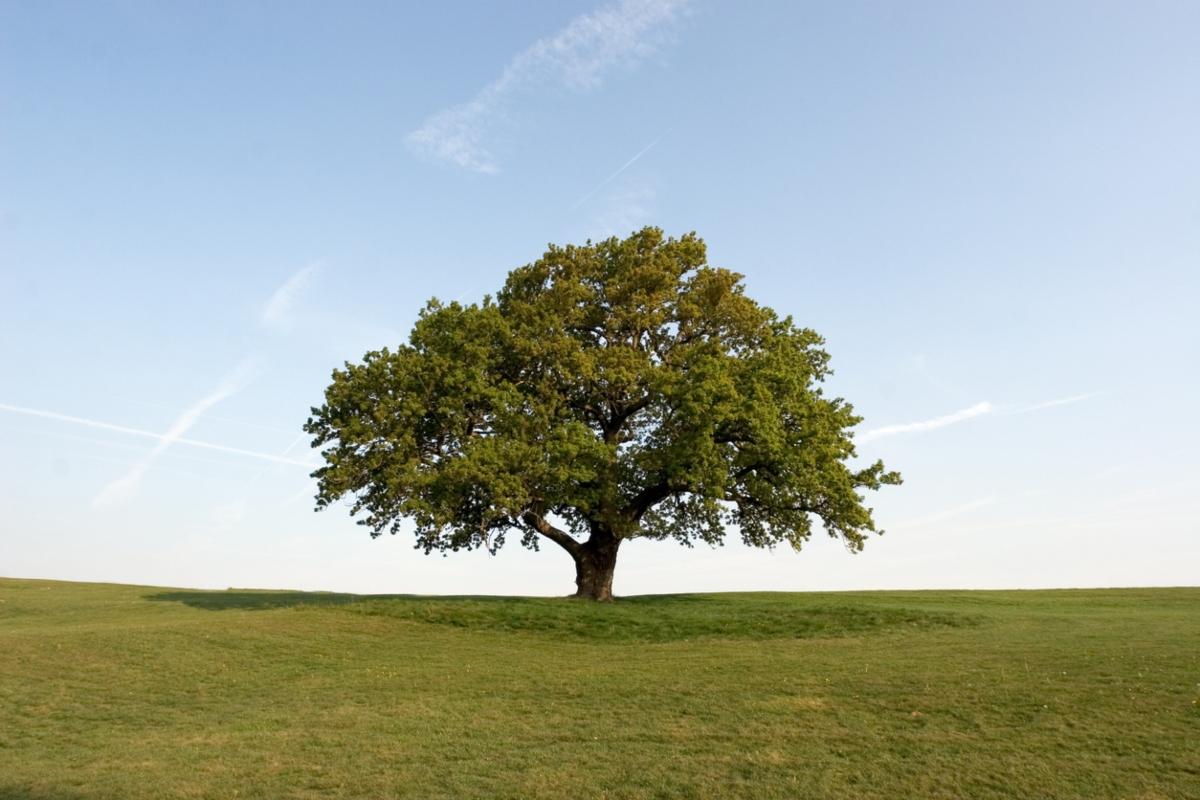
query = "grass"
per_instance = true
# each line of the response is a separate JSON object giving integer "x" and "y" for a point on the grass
{"x": 137, "y": 692}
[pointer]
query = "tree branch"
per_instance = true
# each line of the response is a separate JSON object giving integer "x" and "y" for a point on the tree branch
{"x": 556, "y": 535}
{"x": 612, "y": 427}
{"x": 648, "y": 497}
{"x": 734, "y": 496}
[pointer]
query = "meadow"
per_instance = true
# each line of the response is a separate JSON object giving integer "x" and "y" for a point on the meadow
{"x": 113, "y": 691}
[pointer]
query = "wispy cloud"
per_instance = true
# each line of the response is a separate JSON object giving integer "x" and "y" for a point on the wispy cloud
{"x": 621, "y": 169}
{"x": 624, "y": 211}
{"x": 283, "y": 456}
{"x": 145, "y": 434}
{"x": 929, "y": 424}
{"x": 126, "y": 487}
{"x": 276, "y": 311}
{"x": 976, "y": 410}
{"x": 307, "y": 493}
{"x": 943, "y": 515}
{"x": 1062, "y": 401}
{"x": 578, "y": 57}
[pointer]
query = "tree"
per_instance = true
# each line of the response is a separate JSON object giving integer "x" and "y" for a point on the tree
{"x": 609, "y": 391}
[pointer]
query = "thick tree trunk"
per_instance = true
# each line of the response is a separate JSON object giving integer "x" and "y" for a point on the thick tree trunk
{"x": 594, "y": 565}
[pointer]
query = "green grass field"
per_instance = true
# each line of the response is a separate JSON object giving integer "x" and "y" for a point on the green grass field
{"x": 136, "y": 692}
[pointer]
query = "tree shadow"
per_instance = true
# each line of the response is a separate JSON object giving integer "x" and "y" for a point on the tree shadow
{"x": 658, "y": 618}
{"x": 256, "y": 600}
{"x": 264, "y": 599}
{"x": 31, "y": 793}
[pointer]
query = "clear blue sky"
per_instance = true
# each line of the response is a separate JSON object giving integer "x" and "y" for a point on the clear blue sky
{"x": 990, "y": 210}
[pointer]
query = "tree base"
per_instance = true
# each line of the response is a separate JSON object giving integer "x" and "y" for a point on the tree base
{"x": 594, "y": 567}
{"x": 593, "y": 595}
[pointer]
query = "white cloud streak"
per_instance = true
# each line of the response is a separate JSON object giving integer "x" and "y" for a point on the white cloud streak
{"x": 276, "y": 311}
{"x": 622, "y": 168}
{"x": 623, "y": 212}
{"x": 1063, "y": 401}
{"x": 577, "y": 57}
{"x": 299, "y": 440}
{"x": 976, "y": 410}
{"x": 126, "y": 487}
{"x": 308, "y": 492}
{"x": 928, "y": 425}
{"x": 183, "y": 440}
{"x": 942, "y": 516}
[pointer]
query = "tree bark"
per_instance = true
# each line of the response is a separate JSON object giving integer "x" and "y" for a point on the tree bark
{"x": 595, "y": 559}
{"x": 594, "y": 564}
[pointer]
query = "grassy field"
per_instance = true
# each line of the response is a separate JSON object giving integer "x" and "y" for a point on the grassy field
{"x": 138, "y": 692}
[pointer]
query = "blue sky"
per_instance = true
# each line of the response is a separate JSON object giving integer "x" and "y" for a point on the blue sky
{"x": 990, "y": 210}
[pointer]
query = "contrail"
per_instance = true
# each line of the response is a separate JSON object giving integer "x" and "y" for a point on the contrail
{"x": 967, "y": 413}
{"x": 1062, "y": 401}
{"x": 929, "y": 424}
{"x": 263, "y": 472}
{"x": 623, "y": 167}
{"x": 127, "y": 486}
{"x": 275, "y": 311}
{"x": 941, "y": 516}
{"x": 159, "y": 437}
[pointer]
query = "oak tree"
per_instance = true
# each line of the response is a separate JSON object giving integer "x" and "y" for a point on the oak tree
{"x": 615, "y": 390}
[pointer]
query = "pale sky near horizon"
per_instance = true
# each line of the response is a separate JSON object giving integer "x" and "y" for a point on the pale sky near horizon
{"x": 990, "y": 210}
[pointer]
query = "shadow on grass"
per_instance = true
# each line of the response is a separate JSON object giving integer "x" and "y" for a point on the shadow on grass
{"x": 261, "y": 600}
{"x": 253, "y": 600}
{"x": 649, "y": 618}
{"x": 30, "y": 793}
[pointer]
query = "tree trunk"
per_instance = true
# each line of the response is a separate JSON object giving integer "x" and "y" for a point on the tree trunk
{"x": 594, "y": 565}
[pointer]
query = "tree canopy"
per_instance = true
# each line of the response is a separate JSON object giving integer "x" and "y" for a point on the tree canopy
{"x": 618, "y": 389}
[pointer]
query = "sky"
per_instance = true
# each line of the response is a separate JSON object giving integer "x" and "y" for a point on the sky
{"x": 990, "y": 210}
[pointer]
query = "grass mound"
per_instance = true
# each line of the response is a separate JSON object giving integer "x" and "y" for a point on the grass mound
{"x": 662, "y": 619}
{"x": 652, "y": 618}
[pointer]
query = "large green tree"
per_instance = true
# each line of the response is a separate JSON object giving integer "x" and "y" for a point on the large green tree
{"x": 609, "y": 391}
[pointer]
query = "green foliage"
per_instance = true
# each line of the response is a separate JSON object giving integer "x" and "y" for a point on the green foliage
{"x": 624, "y": 388}
{"x": 142, "y": 693}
